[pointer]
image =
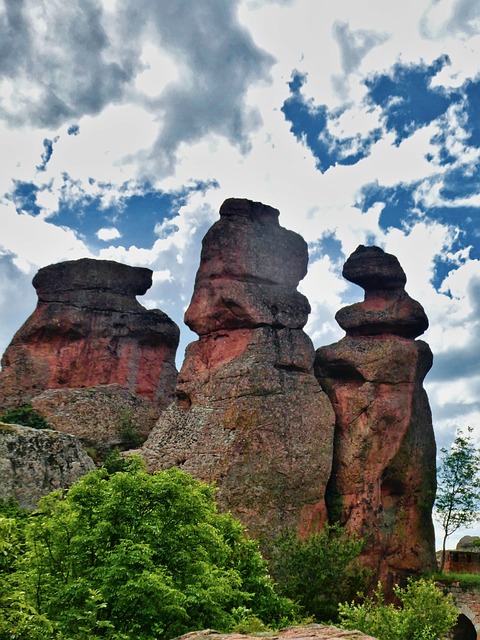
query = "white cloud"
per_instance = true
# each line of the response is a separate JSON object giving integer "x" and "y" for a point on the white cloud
{"x": 108, "y": 233}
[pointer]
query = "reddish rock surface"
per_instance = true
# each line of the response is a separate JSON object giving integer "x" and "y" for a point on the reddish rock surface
{"x": 88, "y": 329}
{"x": 104, "y": 417}
{"x": 307, "y": 632}
{"x": 383, "y": 478}
{"x": 250, "y": 414}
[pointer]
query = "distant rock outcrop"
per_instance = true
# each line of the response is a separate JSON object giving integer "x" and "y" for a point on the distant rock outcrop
{"x": 88, "y": 329}
{"x": 34, "y": 462}
{"x": 383, "y": 478}
{"x": 250, "y": 414}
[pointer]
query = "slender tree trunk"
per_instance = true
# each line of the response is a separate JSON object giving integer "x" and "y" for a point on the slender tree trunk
{"x": 444, "y": 546}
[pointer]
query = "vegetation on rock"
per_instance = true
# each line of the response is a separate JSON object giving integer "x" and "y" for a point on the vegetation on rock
{"x": 25, "y": 416}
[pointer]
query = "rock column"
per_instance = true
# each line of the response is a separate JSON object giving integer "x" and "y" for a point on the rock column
{"x": 383, "y": 478}
{"x": 250, "y": 414}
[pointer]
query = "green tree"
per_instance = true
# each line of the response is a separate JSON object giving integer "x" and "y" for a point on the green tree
{"x": 132, "y": 555}
{"x": 320, "y": 571}
{"x": 425, "y": 613}
{"x": 458, "y": 492}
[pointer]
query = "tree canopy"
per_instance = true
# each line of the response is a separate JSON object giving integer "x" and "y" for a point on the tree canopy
{"x": 132, "y": 555}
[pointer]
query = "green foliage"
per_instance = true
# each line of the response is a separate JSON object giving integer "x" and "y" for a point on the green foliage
{"x": 128, "y": 555}
{"x": 114, "y": 461}
{"x": 425, "y": 613}
{"x": 458, "y": 493}
{"x": 319, "y": 572}
{"x": 466, "y": 580}
{"x": 18, "y": 618}
{"x": 26, "y": 416}
{"x": 128, "y": 432}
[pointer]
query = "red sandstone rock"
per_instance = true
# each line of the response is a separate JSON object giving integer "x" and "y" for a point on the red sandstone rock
{"x": 307, "y": 632}
{"x": 250, "y": 414}
{"x": 383, "y": 477}
{"x": 88, "y": 329}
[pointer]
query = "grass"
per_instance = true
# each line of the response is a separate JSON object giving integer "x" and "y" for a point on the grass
{"x": 466, "y": 580}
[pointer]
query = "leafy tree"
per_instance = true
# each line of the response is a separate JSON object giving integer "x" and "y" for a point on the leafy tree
{"x": 18, "y": 618}
{"x": 458, "y": 493}
{"x": 319, "y": 572}
{"x": 131, "y": 555}
{"x": 425, "y": 613}
{"x": 26, "y": 416}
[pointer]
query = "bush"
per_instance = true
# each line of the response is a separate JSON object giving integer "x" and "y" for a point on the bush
{"x": 26, "y": 416}
{"x": 319, "y": 572}
{"x": 131, "y": 555}
{"x": 425, "y": 613}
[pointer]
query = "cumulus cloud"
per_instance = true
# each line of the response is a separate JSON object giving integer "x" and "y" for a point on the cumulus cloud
{"x": 108, "y": 233}
{"x": 54, "y": 62}
{"x": 218, "y": 61}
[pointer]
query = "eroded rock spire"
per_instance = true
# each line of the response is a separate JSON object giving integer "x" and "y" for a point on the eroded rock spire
{"x": 383, "y": 478}
{"x": 250, "y": 414}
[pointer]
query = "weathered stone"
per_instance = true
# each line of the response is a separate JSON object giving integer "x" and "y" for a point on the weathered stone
{"x": 387, "y": 308}
{"x": 88, "y": 329}
{"x": 249, "y": 272}
{"x": 307, "y": 632}
{"x": 250, "y": 414}
{"x": 383, "y": 477}
{"x": 34, "y": 462}
{"x": 102, "y": 417}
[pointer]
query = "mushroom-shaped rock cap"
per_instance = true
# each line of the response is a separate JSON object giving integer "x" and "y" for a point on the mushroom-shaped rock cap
{"x": 371, "y": 268}
{"x": 89, "y": 274}
{"x": 387, "y": 307}
{"x": 249, "y": 209}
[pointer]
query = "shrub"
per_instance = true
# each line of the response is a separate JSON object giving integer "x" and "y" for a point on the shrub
{"x": 26, "y": 416}
{"x": 425, "y": 613}
{"x": 319, "y": 572}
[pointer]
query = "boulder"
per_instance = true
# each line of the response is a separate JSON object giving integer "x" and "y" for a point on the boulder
{"x": 104, "y": 417}
{"x": 306, "y": 632}
{"x": 34, "y": 462}
{"x": 383, "y": 482}
{"x": 249, "y": 413}
{"x": 88, "y": 329}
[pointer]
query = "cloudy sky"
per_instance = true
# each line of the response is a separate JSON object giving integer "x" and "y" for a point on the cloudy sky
{"x": 124, "y": 124}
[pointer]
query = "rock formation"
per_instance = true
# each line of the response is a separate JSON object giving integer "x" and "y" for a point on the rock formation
{"x": 34, "y": 462}
{"x": 249, "y": 413}
{"x": 383, "y": 478}
{"x": 306, "y": 632}
{"x": 104, "y": 417}
{"x": 88, "y": 329}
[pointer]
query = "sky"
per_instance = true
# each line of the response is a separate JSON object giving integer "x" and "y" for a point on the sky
{"x": 124, "y": 124}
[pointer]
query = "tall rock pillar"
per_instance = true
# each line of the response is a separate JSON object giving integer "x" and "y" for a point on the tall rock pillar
{"x": 383, "y": 478}
{"x": 250, "y": 414}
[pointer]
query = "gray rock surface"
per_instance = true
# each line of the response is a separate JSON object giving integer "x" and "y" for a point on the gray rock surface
{"x": 34, "y": 462}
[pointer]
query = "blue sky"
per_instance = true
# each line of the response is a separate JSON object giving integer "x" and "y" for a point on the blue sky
{"x": 125, "y": 124}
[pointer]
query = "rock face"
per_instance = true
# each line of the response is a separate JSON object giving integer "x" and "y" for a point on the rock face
{"x": 383, "y": 478}
{"x": 250, "y": 414}
{"x": 307, "y": 632}
{"x": 88, "y": 329}
{"x": 35, "y": 462}
{"x": 102, "y": 417}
